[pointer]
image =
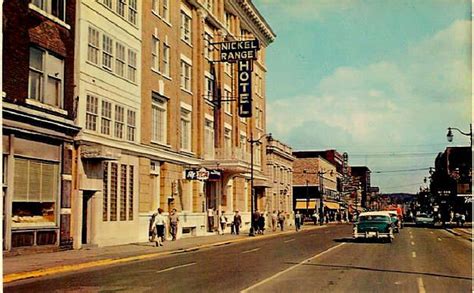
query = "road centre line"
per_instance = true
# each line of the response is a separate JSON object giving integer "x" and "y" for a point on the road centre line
{"x": 290, "y": 268}
{"x": 176, "y": 267}
{"x": 413, "y": 254}
{"x": 421, "y": 287}
{"x": 286, "y": 241}
{"x": 251, "y": 250}
{"x": 412, "y": 243}
{"x": 431, "y": 232}
{"x": 439, "y": 239}
{"x": 411, "y": 236}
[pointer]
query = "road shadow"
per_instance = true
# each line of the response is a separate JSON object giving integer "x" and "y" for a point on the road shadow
{"x": 365, "y": 241}
{"x": 351, "y": 267}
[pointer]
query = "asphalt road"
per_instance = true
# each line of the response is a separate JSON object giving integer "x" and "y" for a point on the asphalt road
{"x": 321, "y": 260}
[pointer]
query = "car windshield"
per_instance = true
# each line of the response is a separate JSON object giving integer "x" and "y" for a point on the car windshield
{"x": 373, "y": 218}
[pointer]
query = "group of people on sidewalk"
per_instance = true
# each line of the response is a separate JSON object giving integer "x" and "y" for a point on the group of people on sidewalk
{"x": 158, "y": 225}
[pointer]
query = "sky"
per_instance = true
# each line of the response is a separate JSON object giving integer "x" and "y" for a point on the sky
{"x": 380, "y": 80}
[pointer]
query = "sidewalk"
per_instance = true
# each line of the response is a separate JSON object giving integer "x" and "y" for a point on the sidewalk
{"x": 36, "y": 265}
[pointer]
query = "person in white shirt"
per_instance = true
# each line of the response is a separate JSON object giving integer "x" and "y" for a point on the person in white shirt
{"x": 159, "y": 223}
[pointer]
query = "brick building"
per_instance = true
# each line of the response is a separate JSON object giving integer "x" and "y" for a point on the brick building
{"x": 38, "y": 123}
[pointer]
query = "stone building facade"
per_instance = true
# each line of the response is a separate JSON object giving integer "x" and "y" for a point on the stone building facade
{"x": 279, "y": 197}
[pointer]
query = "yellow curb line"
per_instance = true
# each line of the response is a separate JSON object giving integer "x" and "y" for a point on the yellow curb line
{"x": 76, "y": 267}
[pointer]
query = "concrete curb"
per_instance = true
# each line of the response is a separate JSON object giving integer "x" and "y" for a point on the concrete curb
{"x": 111, "y": 261}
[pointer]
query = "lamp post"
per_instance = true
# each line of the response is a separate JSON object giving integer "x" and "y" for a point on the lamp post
{"x": 321, "y": 187}
{"x": 253, "y": 203}
{"x": 450, "y": 135}
{"x": 307, "y": 193}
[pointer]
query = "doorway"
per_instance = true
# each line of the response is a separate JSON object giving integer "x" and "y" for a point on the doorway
{"x": 86, "y": 216}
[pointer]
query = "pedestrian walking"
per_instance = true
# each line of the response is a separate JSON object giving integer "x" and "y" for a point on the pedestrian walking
{"x": 281, "y": 220}
{"x": 159, "y": 223}
{"x": 261, "y": 223}
{"x": 174, "y": 219}
{"x": 463, "y": 220}
{"x": 298, "y": 221}
{"x": 255, "y": 217}
{"x": 237, "y": 222}
{"x": 223, "y": 221}
{"x": 274, "y": 221}
{"x": 152, "y": 228}
{"x": 210, "y": 220}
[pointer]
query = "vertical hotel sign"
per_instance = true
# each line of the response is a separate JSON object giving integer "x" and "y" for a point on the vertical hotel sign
{"x": 242, "y": 52}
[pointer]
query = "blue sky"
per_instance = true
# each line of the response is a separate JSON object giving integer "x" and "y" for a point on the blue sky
{"x": 381, "y": 80}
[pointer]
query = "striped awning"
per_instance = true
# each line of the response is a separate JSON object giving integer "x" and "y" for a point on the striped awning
{"x": 301, "y": 205}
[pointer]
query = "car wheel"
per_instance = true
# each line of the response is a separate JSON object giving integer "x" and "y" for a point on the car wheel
{"x": 390, "y": 239}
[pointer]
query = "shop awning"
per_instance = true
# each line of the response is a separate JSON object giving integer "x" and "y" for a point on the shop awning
{"x": 301, "y": 205}
{"x": 331, "y": 205}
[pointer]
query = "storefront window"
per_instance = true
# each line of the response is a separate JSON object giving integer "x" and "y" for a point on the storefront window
{"x": 35, "y": 193}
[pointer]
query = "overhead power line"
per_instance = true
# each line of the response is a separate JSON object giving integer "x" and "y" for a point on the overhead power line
{"x": 401, "y": 170}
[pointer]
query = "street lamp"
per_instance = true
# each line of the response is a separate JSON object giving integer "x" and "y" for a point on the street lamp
{"x": 253, "y": 202}
{"x": 450, "y": 135}
{"x": 321, "y": 186}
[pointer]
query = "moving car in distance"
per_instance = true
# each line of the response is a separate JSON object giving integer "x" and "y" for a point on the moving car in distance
{"x": 396, "y": 220}
{"x": 376, "y": 225}
{"x": 423, "y": 219}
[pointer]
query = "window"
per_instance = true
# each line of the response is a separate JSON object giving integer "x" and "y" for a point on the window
{"x": 166, "y": 10}
{"x": 209, "y": 87}
{"x": 155, "y": 53}
{"x": 131, "y": 125}
{"x": 207, "y": 45}
{"x": 209, "y": 4}
{"x": 113, "y": 191}
{"x": 119, "y": 119}
{"x": 155, "y": 6}
{"x": 93, "y": 47}
{"x": 209, "y": 139}
{"x": 107, "y": 52}
{"x": 123, "y": 192}
{"x": 158, "y": 116}
{"x": 108, "y": 3}
{"x": 185, "y": 76}
{"x": 36, "y": 189}
{"x": 132, "y": 65}
{"x": 243, "y": 146}
{"x": 91, "y": 112}
{"x": 185, "y": 129}
{"x": 228, "y": 142}
{"x": 166, "y": 59}
{"x": 131, "y": 180}
{"x": 121, "y": 7}
{"x": 53, "y": 7}
{"x": 228, "y": 21}
{"x": 120, "y": 60}
{"x": 106, "y": 118}
{"x": 227, "y": 105}
{"x": 132, "y": 11}
{"x": 185, "y": 27}
{"x": 45, "y": 77}
{"x": 105, "y": 195}
{"x": 228, "y": 68}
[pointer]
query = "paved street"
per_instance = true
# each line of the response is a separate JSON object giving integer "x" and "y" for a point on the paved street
{"x": 320, "y": 260}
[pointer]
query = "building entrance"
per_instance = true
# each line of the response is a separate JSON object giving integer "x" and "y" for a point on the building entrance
{"x": 86, "y": 216}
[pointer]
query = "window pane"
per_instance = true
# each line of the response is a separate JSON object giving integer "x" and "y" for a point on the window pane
{"x": 36, "y": 59}
{"x": 36, "y": 81}
{"x": 53, "y": 92}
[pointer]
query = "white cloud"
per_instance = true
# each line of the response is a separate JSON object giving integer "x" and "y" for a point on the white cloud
{"x": 394, "y": 102}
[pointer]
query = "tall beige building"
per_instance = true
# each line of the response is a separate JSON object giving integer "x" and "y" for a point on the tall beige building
{"x": 182, "y": 126}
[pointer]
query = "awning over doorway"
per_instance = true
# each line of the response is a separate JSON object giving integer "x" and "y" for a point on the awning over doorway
{"x": 331, "y": 205}
{"x": 301, "y": 205}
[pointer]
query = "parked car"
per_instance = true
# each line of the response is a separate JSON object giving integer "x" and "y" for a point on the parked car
{"x": 423, "y": 219}
{"x": 376, "y": 225}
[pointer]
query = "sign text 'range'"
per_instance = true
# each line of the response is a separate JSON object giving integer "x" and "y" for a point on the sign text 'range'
{"x": 239, "y": 50}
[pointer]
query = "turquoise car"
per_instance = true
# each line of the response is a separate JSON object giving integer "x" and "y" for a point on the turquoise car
{"x": 375, "y": 225}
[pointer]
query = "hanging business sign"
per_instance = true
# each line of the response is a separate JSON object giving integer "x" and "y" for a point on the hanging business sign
{"x": 202, "y": 174}
{"x": 239, "y": 50}
{"x": 245, "y": 88}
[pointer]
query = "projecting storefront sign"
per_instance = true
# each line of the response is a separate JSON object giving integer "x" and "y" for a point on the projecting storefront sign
{"x": 245, "y": 88}
{"x": 239, "y": 50}
{"x": 202, "y": 174}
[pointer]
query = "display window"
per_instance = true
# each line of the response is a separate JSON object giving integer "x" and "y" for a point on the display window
{"x": 36, "y": 185}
